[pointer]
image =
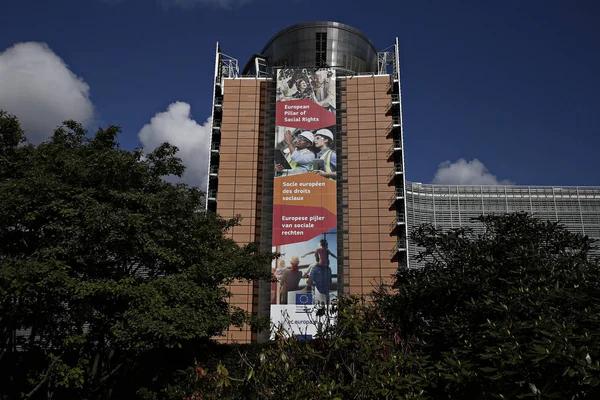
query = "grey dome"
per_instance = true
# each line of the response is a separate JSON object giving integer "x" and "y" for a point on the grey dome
{"x": 322, "y": 44}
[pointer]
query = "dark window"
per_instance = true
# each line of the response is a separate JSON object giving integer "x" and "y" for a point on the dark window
{"x": 321, "y": 49}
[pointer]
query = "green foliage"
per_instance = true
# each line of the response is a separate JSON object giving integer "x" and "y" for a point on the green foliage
{"x": 112, "y": 284}
{"x": 509, "y": 313}
{"x": 358, "y": 357}
{"x": 103, "y": 262}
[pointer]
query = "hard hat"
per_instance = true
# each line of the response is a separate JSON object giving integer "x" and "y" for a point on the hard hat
{"x": 325, "y": 132}
{"x": 308, "y": 135}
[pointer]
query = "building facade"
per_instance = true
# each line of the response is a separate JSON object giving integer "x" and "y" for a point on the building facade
{"x": 370, "y": 235}
{"x": 453, "y": 206}
{"x": 374, "y": 207}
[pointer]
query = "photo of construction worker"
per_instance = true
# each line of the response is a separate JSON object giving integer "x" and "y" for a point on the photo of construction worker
{"x": 297, "y": 153}
{"x": 303, "y": 151}
{"x": 327, "y": 159}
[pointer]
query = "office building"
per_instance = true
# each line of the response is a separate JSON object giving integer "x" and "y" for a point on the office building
{"x": 453, "y": 206}
{"x": 344, "y": 198}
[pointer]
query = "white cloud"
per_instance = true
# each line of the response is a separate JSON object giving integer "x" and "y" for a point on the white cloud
{"x": 39, "y": 88}
{"x": 176, "y": 127}
{"x": 463, "y": 172}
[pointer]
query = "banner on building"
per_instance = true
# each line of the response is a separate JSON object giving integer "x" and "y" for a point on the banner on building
{"x": 304, "y": 199}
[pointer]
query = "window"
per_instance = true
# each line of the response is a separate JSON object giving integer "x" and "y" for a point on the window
{"x": 321, "y": 49}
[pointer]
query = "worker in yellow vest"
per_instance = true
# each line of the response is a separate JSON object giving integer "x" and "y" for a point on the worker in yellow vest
{"x": 299, "y": 157}
{"x": 323, "y": 140}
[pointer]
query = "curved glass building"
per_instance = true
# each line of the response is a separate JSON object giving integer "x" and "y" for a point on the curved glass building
{"x": 453, "y": 206}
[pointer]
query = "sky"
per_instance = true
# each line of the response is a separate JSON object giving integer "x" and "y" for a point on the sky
{"x": 492, "y": 92}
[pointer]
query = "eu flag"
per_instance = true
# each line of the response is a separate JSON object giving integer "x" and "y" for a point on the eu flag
{"x": 304, "y": 299}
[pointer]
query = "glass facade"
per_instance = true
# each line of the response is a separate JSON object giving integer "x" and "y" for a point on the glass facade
{"x": 452, "y": 206}
{"x": 322, "y": 44}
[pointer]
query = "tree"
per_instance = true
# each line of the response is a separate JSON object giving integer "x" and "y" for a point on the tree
{"x": 357, "y": 357}
{"x": 510, "y": 313}
{"x": 104, "y": 264}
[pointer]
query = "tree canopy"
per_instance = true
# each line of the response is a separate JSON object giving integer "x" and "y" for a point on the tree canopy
{"x": 103, "y": 263}
{"x": 113, "y": 281}
{"x": 506, "y": 312}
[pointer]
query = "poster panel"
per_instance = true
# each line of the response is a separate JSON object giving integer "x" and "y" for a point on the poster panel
{"x": 304, "y": 199}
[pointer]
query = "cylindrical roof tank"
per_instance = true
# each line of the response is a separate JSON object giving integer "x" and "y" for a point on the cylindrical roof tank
{"x": 322, "y": 44}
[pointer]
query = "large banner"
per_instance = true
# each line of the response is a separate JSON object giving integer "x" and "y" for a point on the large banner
{"x": 304, "y": 199}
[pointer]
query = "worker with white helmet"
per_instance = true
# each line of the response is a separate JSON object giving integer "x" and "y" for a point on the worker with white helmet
{"x": 323, "y": 141}
{"x": 299, "y": 157}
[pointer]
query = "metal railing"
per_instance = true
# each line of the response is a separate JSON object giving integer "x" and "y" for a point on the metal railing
{"x": 398, "y": 194}
{"x": 395, "y": 172}
{"x": 399, "y": 220}
{"x": 396, "y": 146}
{"x": 394, "y": 101}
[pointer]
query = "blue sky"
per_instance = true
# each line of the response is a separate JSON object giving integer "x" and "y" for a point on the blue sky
{"x": 514, "y": 84}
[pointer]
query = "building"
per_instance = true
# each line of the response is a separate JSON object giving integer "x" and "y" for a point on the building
{"x": 451, "y": 206}
{"x": 329, "y": 75}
